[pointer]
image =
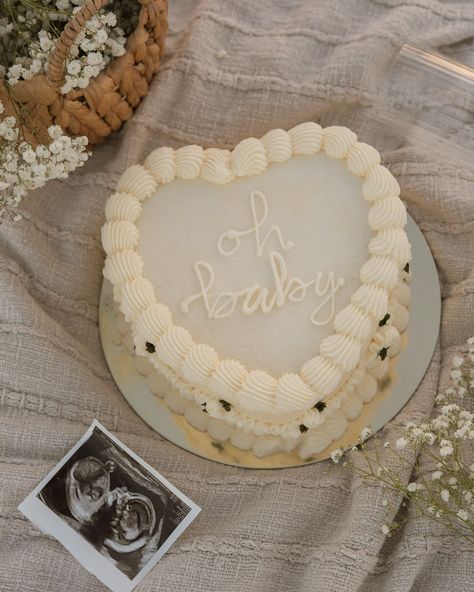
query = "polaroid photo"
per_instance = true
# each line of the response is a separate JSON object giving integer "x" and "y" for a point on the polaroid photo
{"x": 110, "y": 509}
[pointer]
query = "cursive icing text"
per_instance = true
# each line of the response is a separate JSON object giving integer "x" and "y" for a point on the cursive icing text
{"x": 251, "y": 299}
{"x": 233, "y": 236}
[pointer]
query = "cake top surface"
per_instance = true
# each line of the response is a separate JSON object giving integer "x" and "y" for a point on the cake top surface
{"x": 259, "y": 267}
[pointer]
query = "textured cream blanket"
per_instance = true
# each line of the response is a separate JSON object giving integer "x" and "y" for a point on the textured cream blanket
{"x": 233, "y": 69}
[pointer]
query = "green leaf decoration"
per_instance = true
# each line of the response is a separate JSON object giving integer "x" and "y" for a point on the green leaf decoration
{"x": 227, "y": 406}
{"x": 407, "y": 268}
{"x": 383, "y": 353}
{"x": 320, "y": 406}
{"x": 150, "y": 348}
{"x": 303, "y": 428}
{"x": 384, "y": 320}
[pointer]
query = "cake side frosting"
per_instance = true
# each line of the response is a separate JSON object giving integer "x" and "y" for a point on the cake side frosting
{"x": 287, "y": 405}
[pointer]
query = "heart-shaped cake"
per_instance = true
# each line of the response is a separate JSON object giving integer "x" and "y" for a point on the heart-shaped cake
{"x": 262, "y": 290}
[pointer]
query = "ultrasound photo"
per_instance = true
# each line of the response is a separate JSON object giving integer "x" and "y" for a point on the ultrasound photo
{"x": 117, "y": 504}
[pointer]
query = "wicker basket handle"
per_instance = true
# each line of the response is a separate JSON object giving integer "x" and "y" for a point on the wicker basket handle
{"x": 55, "y": 76}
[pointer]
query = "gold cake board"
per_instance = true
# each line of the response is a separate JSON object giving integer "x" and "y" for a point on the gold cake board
{"x": 406, "y": 372}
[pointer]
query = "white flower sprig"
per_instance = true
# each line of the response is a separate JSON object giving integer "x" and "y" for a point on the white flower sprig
{"x": 24, "y": 167}
{"x": 434, "y": 456}
{"x": 99, "y": 42}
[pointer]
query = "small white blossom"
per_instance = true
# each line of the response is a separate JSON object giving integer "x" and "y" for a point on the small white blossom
{"x": 385, "y": 529}
{"x": 463, "y": 515}
{"x": 436, "y": 475}
{"x": 446, "y": 448}
{"x": 444, "y": 495}
{"x": 384, "y": 502}
{"x": 366, "y": 433}
{"x": 401, "y": 443}
{"x": 336, "y": 455}
{"x": 457, "y": 361}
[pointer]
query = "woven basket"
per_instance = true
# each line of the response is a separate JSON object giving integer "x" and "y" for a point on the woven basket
{"x": 110, "y": 98}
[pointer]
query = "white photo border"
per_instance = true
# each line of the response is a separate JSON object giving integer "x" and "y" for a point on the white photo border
{"x": 49, "y": 522}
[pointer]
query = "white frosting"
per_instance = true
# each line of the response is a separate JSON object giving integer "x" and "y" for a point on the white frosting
{"x": 161, "y": 164}
{"x": 338, "y": 141}
{"x": 277, "y": 144}
{"x": 137, "y": 181}
{"x": 306, "y": 138}
{"x": 361, "y": 158}
{"x": 122, "y": 207}
{"x": 248, "y": 158}
{"x": 189, "y": 161}
{"x": 255, "y": 408}
{"x": 380, "y": 183}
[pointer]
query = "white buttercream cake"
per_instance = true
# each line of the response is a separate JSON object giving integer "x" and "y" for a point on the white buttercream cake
{"x": 262, "y": 290}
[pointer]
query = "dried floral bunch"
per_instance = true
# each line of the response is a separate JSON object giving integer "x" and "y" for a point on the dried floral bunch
{"x": 28, "y": 33}
{"x": 435, "y": 457}
{"x": 24, "y": 167}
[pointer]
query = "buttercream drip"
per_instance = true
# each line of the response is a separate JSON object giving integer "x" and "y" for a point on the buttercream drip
{"x": 137, "y": 295}
{"x": 227, "y": 380}
{"x": 153, "y": 322}
{"x": 377, "y": 367}
{"x": 398, "y": 315}
{"x": 196, "y": 417}
{"x": 161, "y": 163}
{"x": 188, "y": 160}
{"x": 155, "y": 382}
{"x": 367, "y": 388}
{"x": 242, "y": 439}
{"x": 336, "y": 425}
{"x": 315, "y": 442}
{"x": 379, "y": 270}
{"x": 123, "y": 266}
{"x": 248, "y": 158}
{"x": 322, "y": 375}
{"x": 380, "y": 183}
{"x": 175, "y": 402}
{"x": 401, "y": 293}
{"x": 391, "y": 242}
{"x": 257, "y": 394}
{"x": 218, "y": 429}
{"x": 361, "y": 158}
{"x": 277, "y": 145}
{"x": 173, "y": 346}
{"x": 371, "y": 298}
{"x": 343, "y": 349}
{"x": 354, "y": 321}
{"x": 338, "y": 140}
{"x": 137, "y": 181}
{"x": 122, "y": 206}
{"x": 387, "y": 212}
{"x": 199, "y": 364}
{"x": 306, "y": 138}
{"x": 356, "y": 376}
{"x": 351, "y": 406}
{"x": 216, "y": 166}
{"x": 119, "y": 236}
{"x": 292, "y": 395}
{"x": 266, "y": 445}
{"x": 391, "y": 338}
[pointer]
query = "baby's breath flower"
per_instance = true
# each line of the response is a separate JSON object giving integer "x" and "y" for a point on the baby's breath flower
{"x": 385, "y": 529}
{"x": 366, "y": 433}
{"x": 446, "y": 448}
{"x": 401, "y": 443}
{"x": 444, "y": 493}
{"x": 463, "y": 515}
{"x": 436, "y": 475}
{"x": 336, "y": 455}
